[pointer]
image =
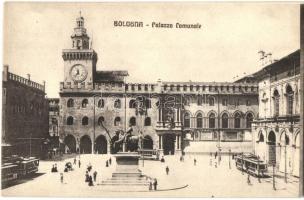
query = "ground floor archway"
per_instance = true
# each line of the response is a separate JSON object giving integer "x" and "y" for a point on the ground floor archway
{"x": 272, "y": 147}
{"x": 296, "y": 160}
{"x": 147, "y": 142}
{"x": 101, "y": 145}
{"x": 85, "y": 144}
{"x": 70, "y": 144}
{"x": 168, "y": 144}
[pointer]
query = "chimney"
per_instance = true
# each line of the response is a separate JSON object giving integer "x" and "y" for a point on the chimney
{"x": 43, "y": 85}
{"x": 269, "y": 58}
{"x": 5, "y": 72}
{"x": 266, "y": 59}
{"x": 262, "y": 55}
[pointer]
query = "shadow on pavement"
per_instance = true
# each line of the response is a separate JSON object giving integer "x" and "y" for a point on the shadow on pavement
{"x": 22, "y": 180}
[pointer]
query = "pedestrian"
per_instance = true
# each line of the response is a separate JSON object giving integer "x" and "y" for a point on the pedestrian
{"x": 155, "y": 184}
{"x": 107, "y": 163}
{"x": 91, "y": 181}
{"x": 95, "y": 175}
{"x": 248, "y": 179}
{"x": 215, "y": 164}
{"x": 110, "y": 161}
{"x": 74, "y": 161}
{"x": 150, "y": 184}
{"x": 167, "y": 170}
{"x": 181, "y": 159}
{"x": 194, "y": 161}
{"x": 86, "y": 177}
{"x": 79, "y": 163}
{"x": 61, "y": 177}
{"x": 215, "y": 155}
{"x": 162, "y": 159}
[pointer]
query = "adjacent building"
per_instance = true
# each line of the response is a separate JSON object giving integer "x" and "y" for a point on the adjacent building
{"x": 24, "y": 116}
{"x": 276, "y": 131}
{"x": 173, "y": 116}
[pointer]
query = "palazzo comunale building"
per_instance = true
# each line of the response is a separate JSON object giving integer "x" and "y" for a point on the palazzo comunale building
{"x": 194, "y": 117}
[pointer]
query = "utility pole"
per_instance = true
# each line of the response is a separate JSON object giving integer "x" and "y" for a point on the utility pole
{"x": 218, "y": 126}
{"x": 301, "y": 161}
{"x": 285, "y": 157}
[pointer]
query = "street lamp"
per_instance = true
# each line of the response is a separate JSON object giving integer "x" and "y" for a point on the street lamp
{"x": 93, "y": 143}
{"x": 229, "y": 158}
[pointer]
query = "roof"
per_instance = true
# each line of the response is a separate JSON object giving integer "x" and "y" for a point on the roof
{"x": 111, "y": 76}
{"x": 275, "y": 66}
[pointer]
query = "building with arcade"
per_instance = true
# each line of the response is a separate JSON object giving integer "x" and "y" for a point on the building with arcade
{"x": 276, "y": 132}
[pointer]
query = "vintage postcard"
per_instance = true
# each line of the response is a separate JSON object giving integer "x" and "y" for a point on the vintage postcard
{"x": 152, "y": 99}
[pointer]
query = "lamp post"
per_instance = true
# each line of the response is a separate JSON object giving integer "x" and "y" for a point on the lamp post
{"x": 94, "y": 127}
{"x": 229, "y": 158}
{"x": 285, "y": 158}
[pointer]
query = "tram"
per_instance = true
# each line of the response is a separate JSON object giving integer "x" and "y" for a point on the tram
{"x": 251, "y": 164}
{"x": 25, "y": 166}
{"x": 9, "y": 173}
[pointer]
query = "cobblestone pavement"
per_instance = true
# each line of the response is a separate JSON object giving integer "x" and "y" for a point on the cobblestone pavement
{"x": 202, "y": 180}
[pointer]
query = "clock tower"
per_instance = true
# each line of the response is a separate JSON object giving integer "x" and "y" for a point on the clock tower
{"x": 80, "y": 60}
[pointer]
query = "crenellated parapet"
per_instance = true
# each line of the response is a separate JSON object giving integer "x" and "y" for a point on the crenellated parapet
{"x": 209, "y": 87}
{"x": 25, "y": 81}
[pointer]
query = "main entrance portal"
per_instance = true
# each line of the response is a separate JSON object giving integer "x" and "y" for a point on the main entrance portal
{"x": 168, "y": 144}
{"x": 101, "y": 145}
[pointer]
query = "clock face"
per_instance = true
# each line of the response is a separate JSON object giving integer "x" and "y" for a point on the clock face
{"x": 78, "y": 73}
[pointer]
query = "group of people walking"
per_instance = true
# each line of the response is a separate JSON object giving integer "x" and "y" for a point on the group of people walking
{"x": 88, "y": 176}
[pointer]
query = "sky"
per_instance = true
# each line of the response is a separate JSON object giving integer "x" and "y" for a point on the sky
{"x": 226, "y": 46}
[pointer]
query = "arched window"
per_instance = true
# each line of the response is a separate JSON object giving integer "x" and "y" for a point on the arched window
{"x": 100, "y": 120}
{"x": 271, "y": 138}
{"x": 70, "y": 120}
{"x": 187, "y": 120}
{"x": 85, "y": 121}
{"x": 132, "y": 121}
{"x": 225, "y": 120}
{"x": 276, "y": 98}
{"x": 101, "y": 103}
{"x": 237, "y": 120}
{"x": 284, "y": 139}
{"x": 148, "y": 121}
{"x": 289, "y": 94}
{"x": 199, "y": 120}
{"x": 211, "y": 101}
{"x": 70, "y": 103}
{"x": 117, "y": 121}
{"x": 249, "y": 119}
{"x": 85, "y": 103}
{"x": 212, "y": 120}
{"x": 132, "y": 103}
{"x": 117, "y": 103}
{"x": 261, "y": 137}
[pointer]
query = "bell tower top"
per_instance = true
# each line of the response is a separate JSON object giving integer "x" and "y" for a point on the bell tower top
{"x": 80, "y": 38}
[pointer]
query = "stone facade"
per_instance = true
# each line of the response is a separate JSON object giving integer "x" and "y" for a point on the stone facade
{"x": 24, "y": 116}
{"x": 53, "y": 117}
{"x": 173, "y": 116}
{"x": 279, "y": 113}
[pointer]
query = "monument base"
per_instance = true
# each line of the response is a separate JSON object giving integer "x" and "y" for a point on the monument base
{"x": 127, "y": 176}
